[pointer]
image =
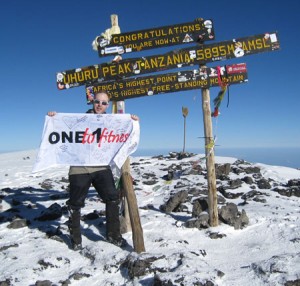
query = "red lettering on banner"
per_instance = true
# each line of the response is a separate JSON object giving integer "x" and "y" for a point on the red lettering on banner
{"x": 88, "y": 138}
{"x": 105, "y": 136}
{"x": 110, "y": 137}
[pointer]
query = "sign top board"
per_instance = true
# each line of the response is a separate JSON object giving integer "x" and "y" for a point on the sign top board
{"x": 193, "y": 32}
{"x": 197, "y": 55}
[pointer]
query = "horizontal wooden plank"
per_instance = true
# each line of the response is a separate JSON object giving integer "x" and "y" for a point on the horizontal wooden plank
{"x": 193, "y": 32}
{"x": 171, "y": 82}
{"x": 197, "y": 55}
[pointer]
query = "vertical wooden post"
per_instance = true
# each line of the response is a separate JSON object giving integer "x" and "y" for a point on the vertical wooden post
{"x": 210, "y": 159}
{"x": 115, "y": 29}
{"x": 132, "y": 217}
{"x": 185, "y": 113}
{"x": 127, "y": 222}
{"x": 119, "y": 107}
{"x": 137, "y": 231}
{"x": 131, "y": 206}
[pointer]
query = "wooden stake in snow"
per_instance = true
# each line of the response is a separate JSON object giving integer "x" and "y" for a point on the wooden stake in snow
{"x": 210, "y": 159}
{"x": 185, "y": 112}
{"x": 131, "y": 206}
{"x": 137, "y": 231}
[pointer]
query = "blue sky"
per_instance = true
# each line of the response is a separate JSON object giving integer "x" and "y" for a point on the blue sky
{"x": 40, "y": 38}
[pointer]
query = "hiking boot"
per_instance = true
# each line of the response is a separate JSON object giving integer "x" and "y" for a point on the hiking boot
{"x": 76, "y": 246}
{"x": 120, "y": 242}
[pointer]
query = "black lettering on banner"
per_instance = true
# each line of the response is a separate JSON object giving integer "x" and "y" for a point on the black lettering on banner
{"x": 79, "y": 136}
{"x": 67, "y": 137}
{"x": 73, "y": 137}
{"x": 54, "y": 138}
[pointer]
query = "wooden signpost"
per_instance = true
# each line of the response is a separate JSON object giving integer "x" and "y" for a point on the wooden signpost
{"x": 131, "y": 216}
{"x": 113, "y": 77}
{"x": 185, "y": 112}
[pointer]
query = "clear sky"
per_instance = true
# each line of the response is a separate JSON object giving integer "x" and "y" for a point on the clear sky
{"x": 40, "y": 38}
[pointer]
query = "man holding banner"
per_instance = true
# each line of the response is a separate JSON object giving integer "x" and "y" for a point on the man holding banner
{"x": 100, "y": 176}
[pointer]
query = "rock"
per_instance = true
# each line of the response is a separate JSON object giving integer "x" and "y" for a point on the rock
{"x": 64, "y": 180}
{"x": 292, "y": 191}
{"x": 79, "y": 276}
{"x": 51, "y": 213}
{"x": 251, "y": 195}
{"x": 43, "y": 283}
{"x": 139, "y": 265}
{"x": 292, "y": 283}
{"x": 18, "y": 223}
{"x": 150, "y": 182}
{"x": 170, "y": 175}
{"x": 179, "y": 184}
{"x": 194, "y": 170}
{"x": 90, "y": 216}
{"x": 6, "y": 282}
{"x": 47, "y": 184}
{"x": 241, "y": 221}
{"x": 180, "y": 280}
{"x": 216, "y": 235}
{"x": 201, "y": 222}
{"x": 293, "y": 182}
{"x": 174, "y": 201}
{"x": 182, "y": 155}
{"x": 2, "y": 248}
{"x": 263, "y": 184}
{"x": 248, "y": 180}
{"x": 222, "y": 170}
{"x": 228, "y": 195}
{"x": 65, "y": 283}
{"x": 199, "y": 206}
{"x": 241, "y": 162}
{"x": 260, "y": 200}
{"x": 234, "y": 184}
{"x": 229, "y": 214}
{"x": 236, "y": 170}
{"x": 252, "y": 170}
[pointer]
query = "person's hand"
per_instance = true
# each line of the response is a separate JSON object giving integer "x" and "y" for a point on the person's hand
{"x": 135, "y": 117}
{"x": 51, "y": 113}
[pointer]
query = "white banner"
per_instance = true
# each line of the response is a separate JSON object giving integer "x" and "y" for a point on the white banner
{"x": 77, "y": 139}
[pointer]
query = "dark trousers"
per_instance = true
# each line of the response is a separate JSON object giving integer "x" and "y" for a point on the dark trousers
{"x": 104, "y": 184}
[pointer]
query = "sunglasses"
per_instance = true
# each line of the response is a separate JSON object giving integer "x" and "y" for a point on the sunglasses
{"x": 102, "y": 102}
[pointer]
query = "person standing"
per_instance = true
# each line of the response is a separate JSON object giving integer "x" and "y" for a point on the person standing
{"x": 101, "y": 177}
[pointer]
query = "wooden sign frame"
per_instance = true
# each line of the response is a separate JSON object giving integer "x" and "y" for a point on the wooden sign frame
{"x": 199, "y": 55}
{"x": 192, "y": 32}
{"x": 171, "y": 82}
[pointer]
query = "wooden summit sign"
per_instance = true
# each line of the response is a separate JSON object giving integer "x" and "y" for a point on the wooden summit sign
{"x": 171, "y": 82}
{"x": 198, "y": 31}
{"x": 201, "y": 54}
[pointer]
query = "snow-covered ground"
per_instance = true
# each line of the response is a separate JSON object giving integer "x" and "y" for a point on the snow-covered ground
{"x": 266, "y": 252}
